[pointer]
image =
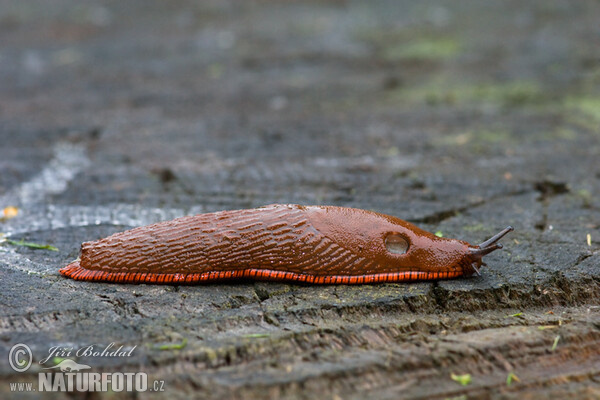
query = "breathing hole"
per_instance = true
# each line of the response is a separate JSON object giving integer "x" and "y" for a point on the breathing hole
{"x": 396, "y": 244}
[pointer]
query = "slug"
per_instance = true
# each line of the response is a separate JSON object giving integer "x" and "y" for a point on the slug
{"x": 293, "y": 243}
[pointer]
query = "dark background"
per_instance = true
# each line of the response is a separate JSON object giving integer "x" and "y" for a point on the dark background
{"x": 462, "y": 117}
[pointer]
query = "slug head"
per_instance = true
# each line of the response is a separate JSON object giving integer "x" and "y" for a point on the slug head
{"x": 396, "y": 245}
{"x": 476, "y": 253}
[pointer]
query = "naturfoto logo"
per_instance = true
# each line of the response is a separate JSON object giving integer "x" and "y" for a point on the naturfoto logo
{"x": 67, "y": 375}
{"x": 93, "y": 350}
{"x": 70, "y": 366}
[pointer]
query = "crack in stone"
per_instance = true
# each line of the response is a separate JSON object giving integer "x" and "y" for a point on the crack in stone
{"x": 547, "y": 190}
{"x": 440, "y": 216}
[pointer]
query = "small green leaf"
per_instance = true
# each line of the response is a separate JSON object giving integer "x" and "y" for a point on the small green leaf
{"x": 462, "y": 379}
{"x": 515, "y": 315}
{"x": 439, "y": 234}
{"x": 511, "y": 377}
{"x": 173, "y": 346}
{"x": 31, "y": 245}
{"x": 556, "y": 339}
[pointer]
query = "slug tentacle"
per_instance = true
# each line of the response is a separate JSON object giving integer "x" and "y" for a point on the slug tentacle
{"x": 294, "y": 243}
{"x": 486, "y": 247}
{"x": 497, "y": 237}
{"x": 480, "y": 252}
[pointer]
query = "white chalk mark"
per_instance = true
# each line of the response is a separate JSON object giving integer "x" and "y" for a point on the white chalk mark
{"x": 69, "y": 159}
{"x": 35, "y": 215}
{"x": 19, "y": 262}
{"x": 53, "y": 217}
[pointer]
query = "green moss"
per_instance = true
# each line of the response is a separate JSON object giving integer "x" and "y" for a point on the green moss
{"x": 215, "y": 71}
{"x": 482, "y": 138}
{"x": 586, "y": 197}
{"x": 211, "y": 355}
{"x": 509, "y": 94}
{"x": 474, "y": 228}
{"x": 422, "y": 50}
{"x": 564, "y": 133}
{"x": 475, "y": 138}
{"x": 586, "y": 106}
{"x": 278, "y": 292}
{"x": 491, "y": 136}
{"x": 441, "y": 92}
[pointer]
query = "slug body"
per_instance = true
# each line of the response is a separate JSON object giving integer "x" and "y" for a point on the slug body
{"x": 312, "y": 244}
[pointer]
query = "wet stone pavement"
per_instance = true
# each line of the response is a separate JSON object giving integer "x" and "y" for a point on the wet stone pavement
{"x": 459, "y": 117}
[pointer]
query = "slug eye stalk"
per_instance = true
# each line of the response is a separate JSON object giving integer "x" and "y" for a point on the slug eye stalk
{"x": 486, "y": 250}
{"x": 496, "y": 237}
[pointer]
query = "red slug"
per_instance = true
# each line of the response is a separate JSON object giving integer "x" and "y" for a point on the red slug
{"x": 312, "y": 244}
